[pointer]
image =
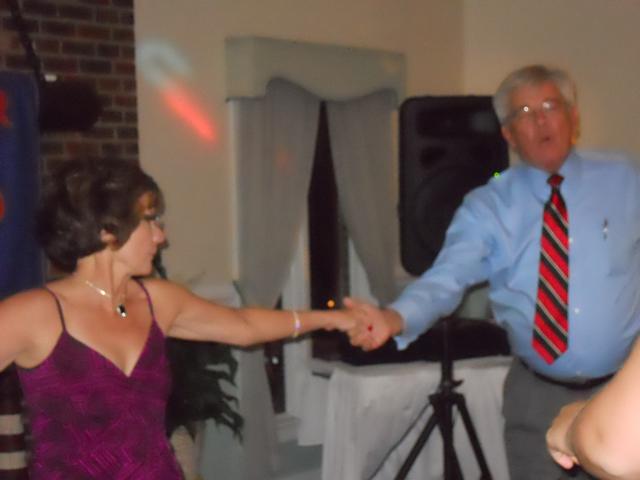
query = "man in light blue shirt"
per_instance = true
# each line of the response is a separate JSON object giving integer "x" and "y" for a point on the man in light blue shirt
{"x": 495, "y": 236}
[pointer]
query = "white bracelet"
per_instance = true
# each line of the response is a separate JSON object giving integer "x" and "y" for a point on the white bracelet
{"x": 296, "y": 324}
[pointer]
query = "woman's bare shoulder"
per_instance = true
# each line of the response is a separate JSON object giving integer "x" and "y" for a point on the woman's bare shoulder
{"x": 29, "y": 326}
{"x": 162, "y": 290}
{"x": 27, "y": 305}
{"x": 167, "y": 299}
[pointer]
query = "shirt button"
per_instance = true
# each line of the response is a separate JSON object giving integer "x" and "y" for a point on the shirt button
{"x": 570, "y": 239}
{"x": 576, "y": 311}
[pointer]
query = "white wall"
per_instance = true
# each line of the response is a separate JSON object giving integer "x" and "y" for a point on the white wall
{"x": 452, "y": 47}
{"x": 595, "y": 40}
{"x": 196, "y": 175}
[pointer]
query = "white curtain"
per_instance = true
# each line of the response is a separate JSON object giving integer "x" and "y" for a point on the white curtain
{"x": 362, "y": 150}
{"x": 332, "y": 72}
{"x": 274, "y": 160}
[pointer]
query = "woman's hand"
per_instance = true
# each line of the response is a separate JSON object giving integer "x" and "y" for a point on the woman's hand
{"x": 340, "y": 319}
{"x": 558, "y": 442}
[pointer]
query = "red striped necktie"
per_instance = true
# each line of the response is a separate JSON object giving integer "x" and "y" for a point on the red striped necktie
{"x": 550, "y": 324}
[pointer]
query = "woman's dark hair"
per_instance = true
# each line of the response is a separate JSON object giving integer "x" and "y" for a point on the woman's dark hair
{"x": 80, "y": 198}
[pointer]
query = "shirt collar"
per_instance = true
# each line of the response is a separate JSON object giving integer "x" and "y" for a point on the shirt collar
{"x": 571, "y": 170}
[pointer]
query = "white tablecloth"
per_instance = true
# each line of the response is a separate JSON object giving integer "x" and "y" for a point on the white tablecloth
{"x": 375, "y": 413}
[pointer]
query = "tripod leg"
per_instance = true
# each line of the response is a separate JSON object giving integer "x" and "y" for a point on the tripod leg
{"x": 473, "y": 437}
{"x": 444, "y": 411}
{"x": 415, "y": 450}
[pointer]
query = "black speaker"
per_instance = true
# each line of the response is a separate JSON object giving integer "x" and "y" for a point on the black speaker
{"x": 68, "y": 105}
{"x": 448, "y": 146}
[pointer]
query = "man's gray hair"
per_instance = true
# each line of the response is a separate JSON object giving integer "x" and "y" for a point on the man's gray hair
{"x": 531, "y": 75}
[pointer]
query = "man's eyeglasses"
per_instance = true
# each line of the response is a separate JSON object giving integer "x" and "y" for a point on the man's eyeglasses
{"x": 528, "y": 113}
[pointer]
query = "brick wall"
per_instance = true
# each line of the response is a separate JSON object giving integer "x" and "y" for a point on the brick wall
{"x": 90, "y": 40}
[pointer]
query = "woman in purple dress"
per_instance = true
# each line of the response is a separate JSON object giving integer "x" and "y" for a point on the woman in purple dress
{"x": 90, "y": 347}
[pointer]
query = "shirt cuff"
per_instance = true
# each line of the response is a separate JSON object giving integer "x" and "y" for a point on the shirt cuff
{"x": 413, "y": 319}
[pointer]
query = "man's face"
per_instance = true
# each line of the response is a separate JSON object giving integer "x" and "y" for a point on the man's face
{"x": 541, "y": 127}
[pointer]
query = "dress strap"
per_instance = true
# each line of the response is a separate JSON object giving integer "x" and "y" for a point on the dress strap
{"x": 146, "y": 292}
{"x": 59, "y": 305}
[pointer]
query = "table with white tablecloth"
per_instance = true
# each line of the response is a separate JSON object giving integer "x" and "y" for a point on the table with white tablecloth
{"x": 375, "y": 413}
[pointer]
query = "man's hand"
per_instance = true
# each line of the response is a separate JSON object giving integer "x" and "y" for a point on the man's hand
{"x": 374, "y": 326}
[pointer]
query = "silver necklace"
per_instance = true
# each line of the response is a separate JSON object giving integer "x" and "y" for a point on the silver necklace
{"x": 120, "y": 308}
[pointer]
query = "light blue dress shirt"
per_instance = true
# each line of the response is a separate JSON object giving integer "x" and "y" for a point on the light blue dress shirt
{"x": 495, "y": 236}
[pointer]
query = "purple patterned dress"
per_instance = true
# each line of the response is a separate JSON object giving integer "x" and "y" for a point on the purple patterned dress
{"x": 91, "y": 421}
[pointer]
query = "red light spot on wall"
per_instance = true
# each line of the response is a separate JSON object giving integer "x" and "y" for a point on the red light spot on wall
{"x": 186, "y": 108}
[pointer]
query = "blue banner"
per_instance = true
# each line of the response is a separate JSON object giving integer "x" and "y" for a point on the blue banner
{"x": 21, "y": 260}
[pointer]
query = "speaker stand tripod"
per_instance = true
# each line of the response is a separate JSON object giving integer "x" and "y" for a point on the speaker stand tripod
{"x": 443, "y": 403}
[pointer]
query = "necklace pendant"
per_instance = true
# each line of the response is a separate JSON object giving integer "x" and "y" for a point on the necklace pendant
{"x": 121, "y": 310}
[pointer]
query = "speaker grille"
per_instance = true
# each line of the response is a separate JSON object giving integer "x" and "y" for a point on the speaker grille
{"x": 448, "y": 146}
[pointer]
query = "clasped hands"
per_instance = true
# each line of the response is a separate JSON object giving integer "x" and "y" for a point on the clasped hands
{"x": 370, "y": 327}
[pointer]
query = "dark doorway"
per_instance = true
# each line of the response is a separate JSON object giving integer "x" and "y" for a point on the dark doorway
{"x": 328, "y": 241}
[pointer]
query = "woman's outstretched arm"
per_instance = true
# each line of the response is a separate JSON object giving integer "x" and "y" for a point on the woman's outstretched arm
{"x": 190, "y": 317}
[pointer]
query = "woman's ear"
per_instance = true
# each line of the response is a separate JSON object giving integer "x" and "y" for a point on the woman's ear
{"x": 109, "y": 239}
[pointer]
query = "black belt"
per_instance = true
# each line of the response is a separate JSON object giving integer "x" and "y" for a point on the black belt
{"x": 576, "y": 385}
